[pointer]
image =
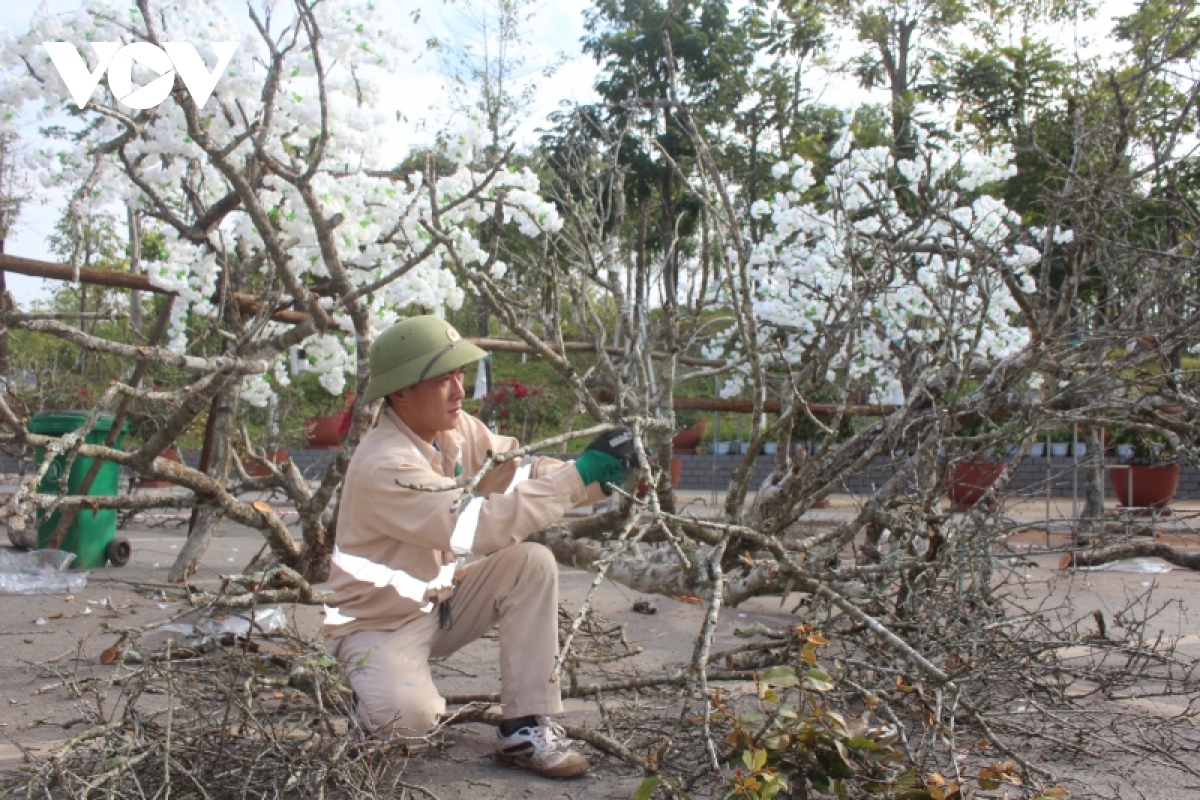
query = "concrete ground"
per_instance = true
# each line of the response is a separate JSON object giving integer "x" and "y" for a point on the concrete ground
{"x": 45, "y": 636}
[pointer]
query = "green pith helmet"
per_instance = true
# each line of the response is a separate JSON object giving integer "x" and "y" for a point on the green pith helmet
{"x": 413, "y": 350}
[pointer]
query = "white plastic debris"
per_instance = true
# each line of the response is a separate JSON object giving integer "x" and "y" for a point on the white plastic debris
{"x": 222, "y": 628}
{"x": 39, "y": 572}
{"x": 1147, "y": 566}
{"x": 178, "y": 633}
{"x": 266, "y": 620}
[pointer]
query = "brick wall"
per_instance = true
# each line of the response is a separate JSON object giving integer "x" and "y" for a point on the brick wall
{"x": 708, "y": 473}
{"x": 711, "y": 472}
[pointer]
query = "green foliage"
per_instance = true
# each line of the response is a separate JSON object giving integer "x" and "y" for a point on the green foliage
{"x": 710, "y": 51}
{"x": 313, "y": 399}
{"x": 1060, "y": 435}
{"x": 798, "y": 742}
{"x": 646, "y": 788}
{"x": 637, "y": 119}
{"x": 1162, "y": 29}
{"x": 1000, "y": 87}
{"x": 1149, "y": 447}
{"x": 43, "y": 374}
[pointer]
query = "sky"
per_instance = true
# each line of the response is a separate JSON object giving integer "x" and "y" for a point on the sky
{"x": 554, "y": 31}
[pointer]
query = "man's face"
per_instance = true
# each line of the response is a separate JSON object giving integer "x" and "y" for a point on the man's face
{"x": 432, "y": 405}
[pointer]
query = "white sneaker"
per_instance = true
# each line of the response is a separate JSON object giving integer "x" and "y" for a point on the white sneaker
{"x": 543, "y": 748}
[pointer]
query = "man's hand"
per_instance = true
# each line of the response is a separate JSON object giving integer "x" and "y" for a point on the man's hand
{"x": 607, "y": 458}
{"x": 617, "y": 443}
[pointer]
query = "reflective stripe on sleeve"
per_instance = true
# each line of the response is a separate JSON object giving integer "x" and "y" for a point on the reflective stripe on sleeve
{"x": 334, "y": 616}
{"x": 463, "y": 538}
{"x": 445, "y": 577}
{"x": 522, "y": 474}
{"x": 406, "y": 585}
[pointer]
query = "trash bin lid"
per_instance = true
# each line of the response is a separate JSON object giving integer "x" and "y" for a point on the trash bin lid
{"x": 56, "y": 423}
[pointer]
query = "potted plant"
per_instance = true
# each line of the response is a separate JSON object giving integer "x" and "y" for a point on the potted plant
{"x": 255, "y": 469}
{"x": 1147, "y": 475}
{"x": 326, "y": 431}
{"x": 170, "y": 454}
{"x": 1060, "y": 442}
{"x": 974, "y": 473}
{"x": 970, "y": 479}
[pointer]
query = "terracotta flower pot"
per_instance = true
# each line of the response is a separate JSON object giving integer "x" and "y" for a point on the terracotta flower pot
{"x": 970, "y": 480}
{"x": 688, "y": 439}
{"x": 324, "y": 432}
{"x": 276, "y": 457}
{"x": 1153, "y": 485}
{"x": 170, "y": 454}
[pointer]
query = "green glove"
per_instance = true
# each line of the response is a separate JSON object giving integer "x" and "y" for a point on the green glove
{"x": 594, "y": 465}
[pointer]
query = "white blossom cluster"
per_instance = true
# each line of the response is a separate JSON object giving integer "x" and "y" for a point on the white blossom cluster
{"x": 385, "y": 216}
{"x": 898, "y": 257}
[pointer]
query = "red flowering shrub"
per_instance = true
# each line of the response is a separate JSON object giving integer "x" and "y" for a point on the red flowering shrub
{"x": 519, "y": 410}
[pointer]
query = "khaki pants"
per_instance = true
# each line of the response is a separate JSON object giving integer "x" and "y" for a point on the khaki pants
{"x": 516, "y": 587}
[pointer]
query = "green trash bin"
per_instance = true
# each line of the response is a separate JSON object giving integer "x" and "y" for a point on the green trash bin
{"x": 92, "y": 535}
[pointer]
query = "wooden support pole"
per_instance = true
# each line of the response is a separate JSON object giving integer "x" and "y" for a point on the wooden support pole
{"x": 246, "y": 303}
{"x": 518, "y": 346}
{"x": 772, "y": 407}
{"x": 249, "y": 304}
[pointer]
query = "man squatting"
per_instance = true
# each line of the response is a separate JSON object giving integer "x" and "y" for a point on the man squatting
{"x": 407, "y": 580}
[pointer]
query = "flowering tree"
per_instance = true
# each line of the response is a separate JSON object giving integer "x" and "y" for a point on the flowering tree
{"x": 905, "y": 259}
{"x": 281, "y": 185}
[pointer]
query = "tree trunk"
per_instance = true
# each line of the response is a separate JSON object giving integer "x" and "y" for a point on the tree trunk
{"x": 1093, "y": 508}
{"x": 3, "y": 332}
{"x": 207, "y": 519}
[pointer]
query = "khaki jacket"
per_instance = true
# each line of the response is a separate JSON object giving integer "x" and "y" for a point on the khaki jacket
{"x": 401, "y": 541}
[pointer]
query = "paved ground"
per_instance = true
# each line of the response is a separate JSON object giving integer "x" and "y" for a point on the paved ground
{"x": 43, "y": 635}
